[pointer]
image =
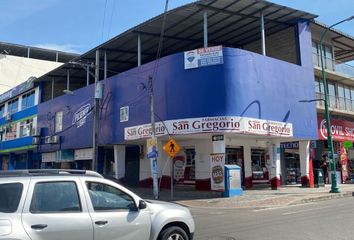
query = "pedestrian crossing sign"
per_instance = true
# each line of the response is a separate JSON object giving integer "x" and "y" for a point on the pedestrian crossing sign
{"x": 171, "y": 148}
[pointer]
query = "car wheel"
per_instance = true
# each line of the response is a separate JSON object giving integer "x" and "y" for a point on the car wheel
{"x": 173, "y": 233}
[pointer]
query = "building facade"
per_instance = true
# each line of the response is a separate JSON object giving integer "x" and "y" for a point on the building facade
{"x": 222, "y": 87}
{"x": 19, "y": 67}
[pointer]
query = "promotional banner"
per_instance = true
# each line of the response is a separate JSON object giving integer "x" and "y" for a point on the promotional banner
{"x": 212, "y": 125}
{"x": 203, "y": 57}
{"x": 179, "y": 166}
{"x": 217, "y": 177}
{"x": 341, "y": 130}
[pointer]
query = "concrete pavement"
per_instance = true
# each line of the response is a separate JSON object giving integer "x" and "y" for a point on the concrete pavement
{"x": 325, "y": 220}
{"x": 257, "y": 198}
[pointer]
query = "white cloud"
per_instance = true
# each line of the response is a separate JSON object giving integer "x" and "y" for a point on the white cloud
{"x": 64, "y": 47}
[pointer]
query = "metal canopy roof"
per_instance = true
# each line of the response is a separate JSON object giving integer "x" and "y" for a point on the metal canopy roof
{"x": 35, "y": 52}
{"x": 232, "y": 23}
{"x": 342, "y": 42}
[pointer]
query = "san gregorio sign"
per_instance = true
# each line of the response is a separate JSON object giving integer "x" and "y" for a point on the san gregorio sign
{"x": 227, "y": 124}
{"x": 341, "y": 130}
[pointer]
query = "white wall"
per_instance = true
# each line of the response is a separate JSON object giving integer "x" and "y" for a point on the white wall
{"x": 16, "y": 70}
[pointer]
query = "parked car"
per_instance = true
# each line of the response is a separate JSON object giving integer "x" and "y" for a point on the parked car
{"x": 82, "y": 205}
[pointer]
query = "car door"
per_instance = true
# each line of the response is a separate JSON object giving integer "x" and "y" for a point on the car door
{"x": 114, "y": 213}
{"x": 56, "y": 210}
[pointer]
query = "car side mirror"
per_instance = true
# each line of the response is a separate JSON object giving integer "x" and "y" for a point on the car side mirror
{"x": 142, "y": 204}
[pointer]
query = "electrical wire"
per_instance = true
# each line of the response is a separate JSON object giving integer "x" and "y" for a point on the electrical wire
{"x": 110, "y": 21}
{"x": 104, "y": 19}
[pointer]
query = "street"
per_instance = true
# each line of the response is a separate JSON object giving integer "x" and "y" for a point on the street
{"x": 333, "y": 219}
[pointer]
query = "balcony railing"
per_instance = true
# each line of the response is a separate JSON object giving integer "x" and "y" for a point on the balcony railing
{"x": 334, "y": 66}
{"x": 336, "y": 102}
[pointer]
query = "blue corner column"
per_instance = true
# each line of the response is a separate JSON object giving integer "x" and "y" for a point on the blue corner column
{"x": 1, "y": 162}
{"x": 100, "y": 162}
{"x": 29, "y": 160}
{"x": 12, "y": 160}
{"x": 304, "y": 38}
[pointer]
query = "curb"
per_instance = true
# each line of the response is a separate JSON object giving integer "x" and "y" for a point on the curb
{"x": 322, "y": 198}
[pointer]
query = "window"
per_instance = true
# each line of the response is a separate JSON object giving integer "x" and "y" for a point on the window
{"x": 11, "y": 131}
{"x": 58, "y": 121}
{"x": 329, "y": 58}
{"x": 28, "y": 100}
{"x": 332, "y": 95}
{"x": 315, "y": 54}
{"x": 10, "y": 197}
{"x": 26, "y": 128}
{"x": 59, "y": 197}
{"x": 105, "y": 197}
{"x": 2, "y": 111}
{"x": 12, "y": 106}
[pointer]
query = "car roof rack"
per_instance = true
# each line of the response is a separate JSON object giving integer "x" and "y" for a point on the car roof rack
{"x": 46, "y": 172}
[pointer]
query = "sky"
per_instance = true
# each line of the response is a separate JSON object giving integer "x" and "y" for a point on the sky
{"x": 80, "y": 25}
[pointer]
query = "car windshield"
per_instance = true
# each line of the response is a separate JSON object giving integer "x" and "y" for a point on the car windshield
{"x": 10, "y": 197}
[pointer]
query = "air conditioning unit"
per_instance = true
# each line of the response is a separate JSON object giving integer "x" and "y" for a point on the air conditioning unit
{"x": 55, "y": 139}
{"x": 47, "y": 140}
{"x": 36, "y": 140}
{"x": 8, "y": 116}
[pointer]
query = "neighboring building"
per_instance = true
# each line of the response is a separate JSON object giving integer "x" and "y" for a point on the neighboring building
{"x": 251, "y": 96}
{"x": 18, "y": 106}
{"x": 18, "y": 63}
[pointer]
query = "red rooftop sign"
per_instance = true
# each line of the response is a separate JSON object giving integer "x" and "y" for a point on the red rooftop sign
{"x": 341, "y": 130}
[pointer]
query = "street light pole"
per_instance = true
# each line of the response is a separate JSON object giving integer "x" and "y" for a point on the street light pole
{"x": 334, "y": 186}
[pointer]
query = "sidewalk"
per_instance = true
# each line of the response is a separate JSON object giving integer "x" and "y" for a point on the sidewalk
{"x": 256, "y": 199}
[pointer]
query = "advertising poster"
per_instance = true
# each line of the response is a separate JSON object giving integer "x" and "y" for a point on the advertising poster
{"x": 203, "y": 57}
{"x": 179, "y": 166}
{"x": 344, "y": 162}
{"x": 217, "y": 177}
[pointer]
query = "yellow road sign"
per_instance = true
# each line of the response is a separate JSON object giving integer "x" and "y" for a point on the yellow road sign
{"x": 171, "y": 148}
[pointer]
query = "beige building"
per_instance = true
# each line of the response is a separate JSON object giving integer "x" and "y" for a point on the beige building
{"x": 19, "y": 63}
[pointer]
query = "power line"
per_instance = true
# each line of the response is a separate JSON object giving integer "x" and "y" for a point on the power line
{"x": 104, "y": 19}
{"x": 110, "y": 21}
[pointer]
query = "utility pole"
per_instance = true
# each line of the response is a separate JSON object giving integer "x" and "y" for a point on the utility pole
{"x": 153, "y": 161}
{"x": 96, "y": 113}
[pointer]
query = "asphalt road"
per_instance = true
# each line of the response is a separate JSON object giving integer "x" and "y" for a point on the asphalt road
{"x": 332, "y": 220}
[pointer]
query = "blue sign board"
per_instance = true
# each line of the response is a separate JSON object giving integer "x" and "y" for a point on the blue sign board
{"x": 23, "y": 87}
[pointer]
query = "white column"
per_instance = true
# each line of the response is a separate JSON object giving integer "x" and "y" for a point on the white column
{"x": 275, "y": 170}
{"x": 247, "y": 166}
{"x": 304, "y": 150}
{"x": 119, "y": 161}
{"x": 205, "y": 29}
{"x": 203, "y": 148}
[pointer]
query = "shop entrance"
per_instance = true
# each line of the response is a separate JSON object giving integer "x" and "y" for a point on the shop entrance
{"x": 5, "y": 162}
{"x": 292, "y": 167}
{"x": 234, "y": 156}
{"x": 132, "y": 165}
{"x": 260, "y": 172}
{"x": 189, "y": 172}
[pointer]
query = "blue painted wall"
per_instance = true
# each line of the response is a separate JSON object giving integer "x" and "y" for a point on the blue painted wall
{"x": 247, "y": 84}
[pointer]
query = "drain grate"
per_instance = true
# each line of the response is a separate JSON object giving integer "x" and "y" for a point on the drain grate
{"x": 221, "y": 238}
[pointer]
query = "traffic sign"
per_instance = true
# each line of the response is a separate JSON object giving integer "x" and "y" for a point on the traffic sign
{"x": 151, "y": 144}
{"x": 171, "y": 148}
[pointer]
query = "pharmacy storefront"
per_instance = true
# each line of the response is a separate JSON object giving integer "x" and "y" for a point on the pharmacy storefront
{"x": 252, "y": 144}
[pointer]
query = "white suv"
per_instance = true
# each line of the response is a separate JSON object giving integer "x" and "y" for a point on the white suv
{"x": 82, "y": 205}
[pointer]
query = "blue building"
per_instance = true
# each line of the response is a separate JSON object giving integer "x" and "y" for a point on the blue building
{"x": 19, "y": 135}
{"x": 222, "y": 87}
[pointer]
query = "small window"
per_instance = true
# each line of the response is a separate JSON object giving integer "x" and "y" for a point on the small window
{"x": 58, "y": 121}
{"x": 12, "y": 106}
{"x": 10, "y": 197}
{"x": 55, "y": 197}
{"x": 26, "y": 128}
{"x": 106, "y": 198}
{"x": 28, "y": 100}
